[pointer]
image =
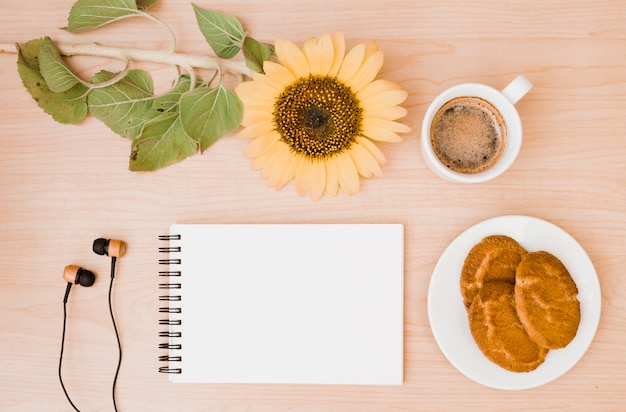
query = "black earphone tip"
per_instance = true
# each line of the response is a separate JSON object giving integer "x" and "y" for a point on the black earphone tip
{"x": 100, "y": 246}
{"x": 85, "y": 277}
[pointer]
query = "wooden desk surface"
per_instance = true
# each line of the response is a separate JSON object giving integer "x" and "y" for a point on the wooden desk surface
{"x": 63, "y": 186}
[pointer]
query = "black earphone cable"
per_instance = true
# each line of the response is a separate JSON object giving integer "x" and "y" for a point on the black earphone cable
{"x": 67, "y": 292}
{"x": 117, "y": 335}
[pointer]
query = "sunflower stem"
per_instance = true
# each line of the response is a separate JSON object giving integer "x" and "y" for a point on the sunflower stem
{"x": 115, "y": 79}
{"x": 235, "y": 67}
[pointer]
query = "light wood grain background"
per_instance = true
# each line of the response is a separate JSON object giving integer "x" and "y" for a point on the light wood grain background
{"x": 63, "y": 186}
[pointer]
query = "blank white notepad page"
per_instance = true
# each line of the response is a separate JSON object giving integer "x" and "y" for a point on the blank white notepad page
{"x": 291, "y": 303}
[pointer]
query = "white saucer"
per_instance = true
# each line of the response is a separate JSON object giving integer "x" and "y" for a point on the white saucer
{"x": 448, "y": 317}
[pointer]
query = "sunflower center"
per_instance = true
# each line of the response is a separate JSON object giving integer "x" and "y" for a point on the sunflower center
{"x": 318, "y": 116}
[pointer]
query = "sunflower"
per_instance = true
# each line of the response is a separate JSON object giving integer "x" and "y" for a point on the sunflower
{"x": 315, "y": 115}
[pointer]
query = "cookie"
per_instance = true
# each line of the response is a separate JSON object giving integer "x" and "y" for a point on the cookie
{"x": 497, "y": 330}
{"x": 493, "y": 258}
{"x": 546, "y": 300}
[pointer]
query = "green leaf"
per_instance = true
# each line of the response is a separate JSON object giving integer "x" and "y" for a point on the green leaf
{"x": 255, "y": 53}
{"x": 69, "y": 106}
{"x": 163, "y": 140}
{"x": 91, "y": 14}
{"x": 169, "y": 101}
{"x": 144, "y": 4}
{"x": 59, "y": 77}
{"x": 122, "y": 106}
{"x": 223, "y": 31}
{"x": 209, "y": 114}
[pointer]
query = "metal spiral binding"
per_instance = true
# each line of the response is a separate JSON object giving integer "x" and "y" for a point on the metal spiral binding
{"x": 169, "y": 237}
{"x": 175, "y": 322}
{"x": 170, "y": 295}
{"x": 174, "y": 346}
{"x": 166, "y": 358}
{"x": 169, "y": 334}
{"x": 170, "y": 310}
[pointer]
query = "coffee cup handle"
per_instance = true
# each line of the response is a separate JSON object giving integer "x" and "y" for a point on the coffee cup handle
{"x": 517, "y": 89}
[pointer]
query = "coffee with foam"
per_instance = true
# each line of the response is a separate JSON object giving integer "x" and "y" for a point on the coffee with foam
{"x": 468, "y": 134}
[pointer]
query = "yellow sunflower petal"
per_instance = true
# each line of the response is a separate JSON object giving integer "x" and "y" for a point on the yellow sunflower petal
{"x": 317, "y": 179}
{"x": 332, "y": 176}
{"x": 292, "y": 58}
{"x": 387, "y": 124}
{"x": 301, "y": 177}
{"x": 320, "y": 54}
{"x": 348, "y": 175}
{"x": 272, "y": 157}
{"x": 288, "y": 176}
{"x": 283, "y": 167}
{"x": 327, "y": 54}
{"x": 261, "y": 78}
{"x": 267, "y": 166}
{"x": 256, "y": 129}
{"x": 389, "y": 113}
{"x": 379, "y": 133}
{"x": 367, "y": 72}
{"x": 351, "y": 63}
{"x": 309, "y": 48}
{"x": 261, "y": 145}
{"x": 271, "y": 154}
{"x": 256, "y": 95}
{"x": 383, "y": 100}
{"x": 258, "y": 163}
{"x": 339, "y": 50}
{"x": 372, "y": 148}
{"x": 278, "y": 73}
{"x": 365, "y": 163}
{"x": 370, "y": 48}
{"x": 251, "y": 116}
{"x": 376, "y": 87}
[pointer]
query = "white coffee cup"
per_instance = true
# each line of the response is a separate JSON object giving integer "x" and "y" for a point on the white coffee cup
{"x": 503, "y": 101}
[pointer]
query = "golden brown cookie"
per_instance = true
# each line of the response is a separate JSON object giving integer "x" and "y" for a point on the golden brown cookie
{"x": 493, "y": 258}
{"x": 546, "y": 300}
{"x": 497, "y": 330}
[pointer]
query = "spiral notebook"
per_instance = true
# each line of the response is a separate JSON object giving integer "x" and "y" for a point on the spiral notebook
{"x": 283, "y": 303}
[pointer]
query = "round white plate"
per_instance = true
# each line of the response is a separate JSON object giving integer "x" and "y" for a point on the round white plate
{"x": 448, "y": 317}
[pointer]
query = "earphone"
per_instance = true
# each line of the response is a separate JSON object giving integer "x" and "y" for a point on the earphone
{"x": 110, "y": 247}
{"x": 76, "y": 275}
